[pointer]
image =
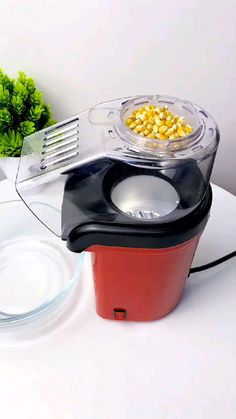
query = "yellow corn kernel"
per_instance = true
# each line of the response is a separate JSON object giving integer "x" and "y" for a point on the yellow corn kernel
{"x": 169, "y": 118}
{"x": 157, "y": 109}
{"x": 138, "y": 121}
{"x": 181, "y": 132}
{"x": 179, "y": 124}
{"x": 141, "y": 133}
{"x": 147, "y": 108}
{"x": 149, "y": 126}
{"x": 155, "y": 129}
{"x": 151, "y": 120}
{"x": 162, "y": 115}
{"x": 170, "y": 131}
{"x": 158, "y": 135}
{"x": 151, "y": 135}
{"x": 135, "y": 130}
{"x": 133, "y": 125}
{"x": 163, "y": 129}
{"x": 129, "y": 121}
{"x": 140, "y": 116}
{"x": 188, "y": 128}
{"x": 140, "y": 128}
{"x": 168, "y": 123}
{"x": 172, "y": 137}
{"x": 146, "y": 132}
{"x": 145, "y": 123}
{"x": 158, "y": 122}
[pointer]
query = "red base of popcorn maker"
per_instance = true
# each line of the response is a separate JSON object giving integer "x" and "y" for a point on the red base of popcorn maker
{"x": 148, "y": 291}
{"x": 138, "y": 203}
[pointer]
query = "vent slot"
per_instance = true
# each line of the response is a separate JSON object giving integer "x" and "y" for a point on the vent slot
{"x": 64, "y": 136}
{"x": 60, "y": 145}
{"x": 61, "y": 127}
{"x": 47, "y": 149}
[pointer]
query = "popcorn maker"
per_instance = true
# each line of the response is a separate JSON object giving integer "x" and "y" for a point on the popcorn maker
{"x": 129, "y": 180}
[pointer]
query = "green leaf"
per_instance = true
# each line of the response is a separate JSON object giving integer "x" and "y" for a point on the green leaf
{"x": 47, "y": 111}
{"x": 30, "y": 86}
{"x": 10, "y": 144}
{"x": 17, "y": 104}
{"x": 4, "y": 97}
{"x": 20, "y": 90}
{"x": 36, "y": 98}
{"x": 27, "y": 128}
{"x": 6, "y": 82}
{"x": 46, "y": 119}
{"x": 35, "y": 113}
{"x": 28, "y": 82}
{"x": 5, "y": 119}
{"x": 22, "y": 76}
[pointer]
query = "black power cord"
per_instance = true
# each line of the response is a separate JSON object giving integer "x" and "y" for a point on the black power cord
{"x": 211, "y": 264}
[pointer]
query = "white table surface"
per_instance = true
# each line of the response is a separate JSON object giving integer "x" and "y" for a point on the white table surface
{"x": 181, "y": 367}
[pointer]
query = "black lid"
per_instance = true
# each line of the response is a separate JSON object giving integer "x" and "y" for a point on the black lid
{"x": 95, "y": 220}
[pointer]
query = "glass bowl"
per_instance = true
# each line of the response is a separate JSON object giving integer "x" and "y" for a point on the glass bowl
{"x": 37, "y": 271}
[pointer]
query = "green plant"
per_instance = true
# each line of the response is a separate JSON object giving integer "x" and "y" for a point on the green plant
{"x": 22, "y": 112}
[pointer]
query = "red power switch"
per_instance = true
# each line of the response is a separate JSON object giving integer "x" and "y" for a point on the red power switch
{"x": 119, "y": 313}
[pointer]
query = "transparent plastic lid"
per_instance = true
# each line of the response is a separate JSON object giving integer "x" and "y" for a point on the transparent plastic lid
{"x": 98, "y": 168}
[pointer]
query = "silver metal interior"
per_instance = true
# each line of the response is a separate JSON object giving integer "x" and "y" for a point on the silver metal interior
{"x": 145, "y": 197}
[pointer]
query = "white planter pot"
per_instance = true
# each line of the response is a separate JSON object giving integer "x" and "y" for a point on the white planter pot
{"x": 9, "y": 166}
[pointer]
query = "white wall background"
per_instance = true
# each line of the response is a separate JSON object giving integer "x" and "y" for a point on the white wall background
{"x": 84, "y": 52}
